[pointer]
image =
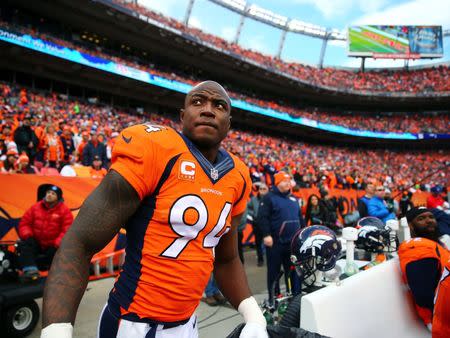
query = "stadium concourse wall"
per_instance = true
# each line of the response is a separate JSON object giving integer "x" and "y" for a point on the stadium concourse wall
{"x": 53, "y": 49}
{"x": 20, "y": 193}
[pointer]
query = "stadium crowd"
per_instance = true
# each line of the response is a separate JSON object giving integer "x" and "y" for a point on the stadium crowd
{"x": 48, "y": 130}
{"x": 427, "y": 80}
{"x": 429, "y": 122}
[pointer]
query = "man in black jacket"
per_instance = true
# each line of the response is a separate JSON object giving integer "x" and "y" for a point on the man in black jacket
{"x": 92, "y": 149}
{"x": 68, "y": 144}
{"x": 330, "y": 206}
{"x": 280, "y": 218}
{"x": 26, "y": 139}
{"x": 253, "y": 209}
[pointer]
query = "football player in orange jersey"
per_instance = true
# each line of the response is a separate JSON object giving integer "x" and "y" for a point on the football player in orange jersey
{"x": 423, "y": 260}
{"x": 180, "y": 197}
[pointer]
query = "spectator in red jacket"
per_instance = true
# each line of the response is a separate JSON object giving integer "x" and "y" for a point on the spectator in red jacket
{"x": 41, "y": 230}
{"x": 435, "y": 199}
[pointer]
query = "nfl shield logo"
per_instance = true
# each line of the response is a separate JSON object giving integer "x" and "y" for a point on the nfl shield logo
{"x": 214, "y": 174}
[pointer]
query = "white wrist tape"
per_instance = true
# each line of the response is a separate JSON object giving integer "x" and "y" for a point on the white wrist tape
{"x": 251, "y": 312}
{"x": 57, "y": 330}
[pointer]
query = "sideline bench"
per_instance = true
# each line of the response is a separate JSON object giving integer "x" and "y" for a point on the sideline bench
{"x": 371, "y": 304}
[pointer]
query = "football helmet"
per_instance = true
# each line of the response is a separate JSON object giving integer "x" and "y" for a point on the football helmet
{"x": 374, "y": 236}
{"x": 7, "y": 260}
{"x": 314, "y": 248}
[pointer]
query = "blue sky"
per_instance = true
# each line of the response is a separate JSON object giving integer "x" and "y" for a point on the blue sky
{"x": 337, "y": 14}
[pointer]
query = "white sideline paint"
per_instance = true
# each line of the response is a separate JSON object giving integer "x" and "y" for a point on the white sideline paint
{"x": 371, "y": 304}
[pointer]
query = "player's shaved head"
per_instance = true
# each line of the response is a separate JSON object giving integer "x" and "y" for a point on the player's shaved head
{"x": 209, "y": 86}
{"x": 206, "y": 117}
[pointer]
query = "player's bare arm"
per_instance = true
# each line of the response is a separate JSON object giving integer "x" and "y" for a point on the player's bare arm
{"x": 99, "y": 219}
{"x": 228, "y": 270}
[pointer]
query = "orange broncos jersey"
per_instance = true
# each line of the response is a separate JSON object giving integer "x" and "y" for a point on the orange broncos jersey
{"x": 187, "y": 205}
{"x": 441, "y": 311}
{"x": 420, "y": 248}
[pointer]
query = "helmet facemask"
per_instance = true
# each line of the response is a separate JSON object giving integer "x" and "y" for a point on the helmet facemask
{"x": 328, "y": 255}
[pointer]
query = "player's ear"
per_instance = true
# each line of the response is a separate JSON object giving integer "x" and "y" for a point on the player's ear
{"x": 411, "y": 230}
{"x": 229, "y": 123}
{"x": 181, "y": 114}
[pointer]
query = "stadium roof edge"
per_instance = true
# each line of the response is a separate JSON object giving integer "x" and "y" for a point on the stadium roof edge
{"x": 278, "y": 21}
{"x": 244, "y": 8}
{"x": 225, "y": 4}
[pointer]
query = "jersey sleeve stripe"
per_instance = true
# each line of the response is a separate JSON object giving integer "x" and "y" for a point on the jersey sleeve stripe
{"x": 165, "y": 174}
{"x": 244, "y": 188}
{"x": 126, "y": 285}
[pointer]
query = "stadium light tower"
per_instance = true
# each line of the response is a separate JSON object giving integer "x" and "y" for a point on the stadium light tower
{"x": 235, "y": 5}
{"x": 238, "y": 6}
{"x": 298, "y": 26}
{"x": 273, "y": 19}
{"x": 239, "y": 29}
{"x": 252, "y": 11}
{"x": 324, "y": 48}
{"x": 266, "y": 16}
{"x": 188, "y": 12}
{"x": 281, "y": 45}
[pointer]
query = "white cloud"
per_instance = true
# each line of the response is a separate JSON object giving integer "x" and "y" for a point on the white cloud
{"x": 338, "y": 43}
{"x": 257, "y": 43}
{"x": 195, "y": 22}
{"x": 165, "y": 7}
{"x": 335, "y": 8}
{"x": 352, "y": 62}
{"x": 415, "y": 12}
{"x": 371, "y": 6}
{"x": 228, "y": 32}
